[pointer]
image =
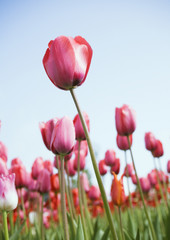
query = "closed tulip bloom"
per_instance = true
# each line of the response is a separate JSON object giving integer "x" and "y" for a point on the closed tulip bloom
{"x": 116, "y": 167}
{"x": 70, "y": 167}
{"x": 55, "y": 162}
{"x": 8, "y": 193}
{"x": 125, "y": 120}
{"x": 158, "y": 151}
{"x": 68, "y": 156}
{"x": 103, "y": 168}
{"x": 80, "y": 135}
{"x": 55, "y": 186}
{"x": 16, "y": 161}
{"x": 168, "y": 166}
{"x": 83, "y": 146}
{"x": 67, "y": 61}
{"x": 44, "y": 181}
{"x": 122, "y": 142}
{"x": 3, "y": 151}
{"x": 3, "y": 167}
{"x": 20, "y": 175}
{"x": 117, "y": 191}
{"x": 150, "y": 141}
{"x": 145, "y": 184}
{"x": 37, "y": 166}
{"x": 46, "y": 131}
{"x": 94, "y": 193}
{"x": 82, "y": 160}
{"x": 110, "y": 157}
{"x": 48, "y": 165}
{"x": 134, "y": 180}
{"x": 63, "y": 137}
{"x": 129, "y": 170}
{"x": 84, "y": 182}
{"x": 152, "y": 176}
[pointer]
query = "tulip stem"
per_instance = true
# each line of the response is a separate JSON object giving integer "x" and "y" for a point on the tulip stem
{"x": 11, "y": 222}
{"x": 96, "y": 170}
{"x": 63, "y": 202}
{"x": 121, "y": 225}
{"x": 141, "y": 194}
{"x": 42, "y": 226}
{"x": 164, "y": 180}
{"x": 23, "y": 209}
{"x": 4, "y": 213}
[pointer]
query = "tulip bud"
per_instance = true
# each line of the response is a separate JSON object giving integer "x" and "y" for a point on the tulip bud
{"x": 48, "y": 165}
{"x": 134, "y": 180}
{"x": 116, "y": 167}
{"x": 150, "y": 141}
{"x": 67, "y": 61}
{"x": 63, "y": 137}
{"x": 122, "y": 142}
{"x": 3, "y": 152}
{"x": 110, "y": 157}
{"x": 82, "y": 160}
{"x": 83, "y": 146}
{"x": 117, "y": 191}
{"x": 47, "y": 130}
{"x": 8, "y": 193}
{"x": 168, "y": 166}
{"x": 55, "y": 186}
{"x": 70, "y": 167}
{"x": 128, "y": 172}
{"x": 158, "y": 151}
{"x": 152, "y": 176}
{"x": 94, "y": 193}
{"x": 16, "y": 161}
{"x": 37, "y": 166}
{"x": 145, "y": 184}
{"x": 125, "y": 120}
{"x": 103, "y": 167}
{"x": 80, "y": 135}
{"x": 44, "y": 181}
{"x": 84, "y": 182}
{"x": 3, "y": 167}
{"x": 20, "y": 175}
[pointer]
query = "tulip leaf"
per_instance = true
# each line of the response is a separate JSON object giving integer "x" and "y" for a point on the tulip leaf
{"x": 137, "y": 235}
{"x": 131, "y": 226}
{"x": 127, "y": 235}
{"x": 106, "y": 233}
{"x": 80, "y": 233}
{"x": 72, "y": 225}
{"x": 16, "y": 234}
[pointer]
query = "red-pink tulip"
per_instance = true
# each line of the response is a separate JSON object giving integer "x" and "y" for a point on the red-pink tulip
{"x": 168, "y": 166}
{"x": 82, "y": 160}
{"x": 103, "y": 168}
{"x": 145, "y": 184}
{"x": 116, "y": 167}
{"x": 94, "y": 193}
{"x": 16, "y": 161}
{"x": 83, "y": 146}
{"x": 67, "y": 61}
{"x": 3, "y": 151}
{"x": 152, "y": 176}
{"x": 70, "y": 167}
{"x": 37, "y": 166}
{"x": 44, "y": 181}
{"x": 150, "y": 141}
{"x": 158, "y": 151}
{"x": 47, "y": 130}
{"x": 20, "y": 175}
{"x": 3, "y": 167}
{"x": 110, "y": 157}
{"x": 122, "y": 142}
{"x": 55, "y": 186}
{"x": 129, "y": 170}
{"x": 63, "y": 137}
{"x": 80, "y": 135}
{"x": 125, "y": 120}
{"x": 48, "y": 165}
{"x": 84, "y": 182}
{"x": 117, "y": 191}
{"x": 134, "y": 179}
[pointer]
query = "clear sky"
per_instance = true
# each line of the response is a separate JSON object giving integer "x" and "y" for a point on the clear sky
{"x": 130, "y": 64}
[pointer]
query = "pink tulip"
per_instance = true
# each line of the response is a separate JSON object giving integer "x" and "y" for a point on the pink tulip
{"x": 44, "y": 181}
{"x": 37, "y": 166}
{"x": 63, "y": 137}
{"x": 48, "y": 165}
{"x": 110, "y": 157}
{"x": 20, "y": 175}
{"x": 32, "y": 185}
{"x": 150, "y": 141}
{"x": 158, "y": 151}
{"x": 125, "y": 120}
{"x": 122, "y": 142}
{"x": 55, "y": 161}
{"x": 168, "y": 166}
{"x": 94, "y": 193}
{"x": 145, "y": 184}
{"x": 128, "y": 171}
{"x": 68, "y": 156}
{"x": 84, "y": 182}
{"x": 152, "y": 176}
{"x": 67, "y": 61}
{"x": 82, "y": 160}
{"x": 116, "y": 167}
{"x": 3, "y": 167}
{"x": 8, "y": 193}
{"x": 103, "y": 168}
{"x": 16, "y": 161}
{"x": 46, "y": 131}
{"x": 70, "y": 167}
{"x": 83, "y": 146}
{"x": 3, "y": 151}
{"x": 80, "y": 135}
{"x": 134, "y": 180}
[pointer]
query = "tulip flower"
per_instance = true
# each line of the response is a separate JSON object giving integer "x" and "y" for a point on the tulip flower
{"x": 55, "y": 186}
{"x": 70, "y": 167}
{"x": 80, "y": 135}
{"x": 125, "y": 120}
{"x": 16, "y": 161}
{"x": 116, "y": 167}
{"x": 128, "y": 171}
{"x": 84, "y": 182}
{"x": 48, "y": 165}
{"x": 150, "y": 141}
{"x": 8, "y": 193}
{"x": 152, "y": 176}
{"x": 82, "y": 160}
{"x": 110, "y": 157}
{"x": 44, "y": 181}
{"x": 83, "y": 146}
{"x": 103, "y": 167}
{"x": 21, "y": 179}
{"x": 94, "y": 193}
{"x": 3, "y": 167}
{"x": 122, "y": 142}
{"x": 117, "y": 191}
{"x": 134, "y": 180}
{"x": 37, "y": 166}
{"x": 145, "y": 184}
{"x": 158, "y": 151}
{"x": 63, "y": 137}
{"x": 46, "y": 131}
{"x": 168, "y": 166}
{"x": 3, "y": 151}
{"x": 67, "y": 61}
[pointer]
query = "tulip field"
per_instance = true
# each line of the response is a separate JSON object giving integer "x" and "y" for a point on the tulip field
{"x": 56, "y": 200}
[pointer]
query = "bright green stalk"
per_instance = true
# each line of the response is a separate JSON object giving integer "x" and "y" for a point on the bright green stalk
{"x": 96, "y": 170}
{"x": 121, "y": 226}
{"x": 141, "y": 194}
{"x": 11, "y": 222}
{"x": 164, "y": 182}
{"x": 4, "y": 215}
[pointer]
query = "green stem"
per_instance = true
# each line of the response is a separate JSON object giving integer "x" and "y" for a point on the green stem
{"x": 164, "y": 182}
{"x": 63, "y": 202}
{"x": 80, "y": 195}
{"x": 96, "y": 170}
{"x": 4, "y": 213}
{"x": 11, "y": 222}
{"x": 141, "y": 194}
{"x": 121, "y": 226}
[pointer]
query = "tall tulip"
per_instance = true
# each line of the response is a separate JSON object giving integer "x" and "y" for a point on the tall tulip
{"x": 110, "y": 157}
{"x": 122, "y": 142}
{"x": 168, "y": 166}
{"x": 37, "y": 166}
{"x": 158, "y": 151}
{"x": 150, "y": 141}
{"x": 80, "y": 135}
{"x": 103, "y": 168}
{"x": 117, "y": 191}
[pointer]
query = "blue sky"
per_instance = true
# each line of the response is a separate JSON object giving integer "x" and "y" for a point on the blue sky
{"x": 130, "y": 64}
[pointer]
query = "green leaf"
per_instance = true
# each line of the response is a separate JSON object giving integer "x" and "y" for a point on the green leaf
{"x": 79, "y": 234}
{"x": 127, "y": 235}
{"x": 137, "y": 235}
{"x": 72, "y": 225}
{"x": 16, "y": 234}
{"x": 131, "y": 225}
{"x": 106, "y": 233}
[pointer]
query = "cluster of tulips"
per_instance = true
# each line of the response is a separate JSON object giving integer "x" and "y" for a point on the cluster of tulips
{"x": 43, "y": 205}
